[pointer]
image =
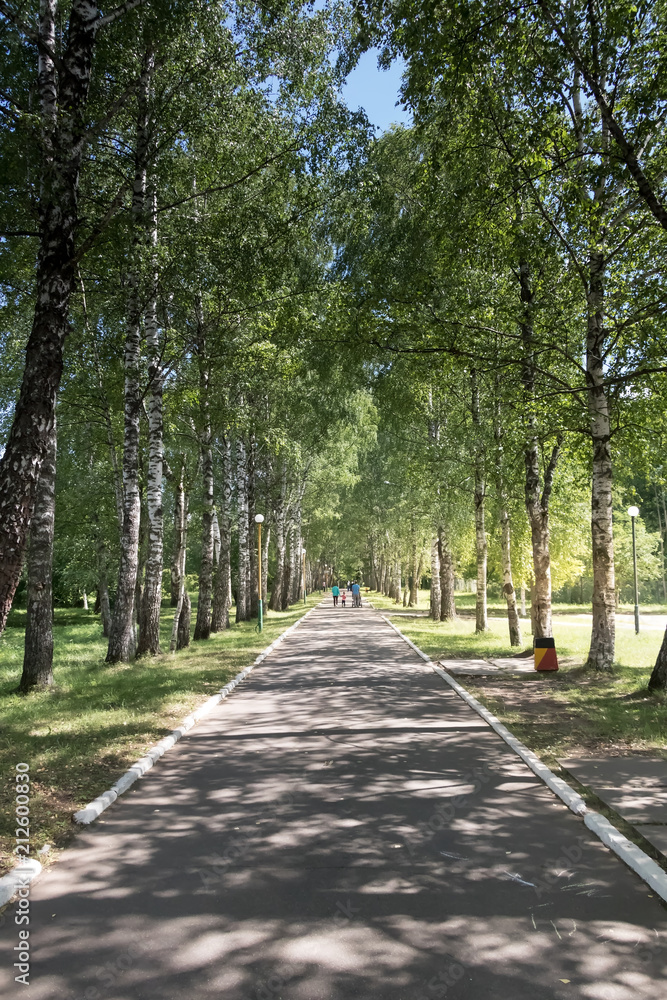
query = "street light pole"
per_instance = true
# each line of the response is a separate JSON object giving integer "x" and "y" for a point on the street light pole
{"x": 303, "y": 554}
{"x": 259, "y": 518}
{"x": 634, "y": 512}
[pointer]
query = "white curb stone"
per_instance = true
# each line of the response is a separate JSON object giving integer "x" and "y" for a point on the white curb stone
{"x": 18, "y": 877}
{"x": 90, "y": 812}
{"x": 633, "y": 856}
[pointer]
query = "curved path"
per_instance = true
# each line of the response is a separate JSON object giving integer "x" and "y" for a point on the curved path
{"x": 344, "y": 826}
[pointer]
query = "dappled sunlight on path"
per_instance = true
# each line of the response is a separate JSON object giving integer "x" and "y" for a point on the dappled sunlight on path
{"x": 343, "y": 827}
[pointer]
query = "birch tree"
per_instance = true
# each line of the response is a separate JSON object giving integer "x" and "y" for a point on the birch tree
{"x": 122, "y": 637}
{"x": 63, "y": 84}
{"x": 38, "y": 653}
{"x": 222, "y": 598}
{"x": 149, "y": 622}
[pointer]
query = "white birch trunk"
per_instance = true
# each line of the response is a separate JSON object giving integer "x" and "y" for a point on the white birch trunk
{"x": 217, "y": 540}
{"x": 122, "y": 635}
{"x": 447, "y": 604}
{"x": 601, "y": 653}
{"x": 149, "y": 629}
{"x": 243, "y": 597}
{"x": 180, "y": 629}
{"x": 222, "y": 598}
{"x": 279, "y": 522}
{"x": 505, "y": 534}
{"x": 481, "y": 623}
{"x": 253, "y": 596}
{"x": 293, "y": 582}
{"x": 203, "y": 622}
{"x": 436, "y": 596}
{"x": 516, "y": 638}
{"x": 266, "y": 538}
{"x": 179, "y": 527}
{"x": 276, "y": 602}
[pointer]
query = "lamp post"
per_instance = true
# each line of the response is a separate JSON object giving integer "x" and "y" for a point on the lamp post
{"x": 259, "y": 519}
{"x": 634, "y": 512}
{"x": 303, "y": 563}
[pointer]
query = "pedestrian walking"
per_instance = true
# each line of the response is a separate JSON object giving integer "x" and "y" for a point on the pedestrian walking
{"x": 335, "y": 592}
{"x": 342, "y": 598}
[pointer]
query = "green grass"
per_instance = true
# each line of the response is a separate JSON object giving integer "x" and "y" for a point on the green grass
{"x": 80, "y": 736}
{"x": 466, "y": 602}
{"x": 556, "y": 714}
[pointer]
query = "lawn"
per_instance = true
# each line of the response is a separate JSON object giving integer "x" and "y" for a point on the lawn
{"x": 79, "y": 737}
{"x": 559, "y": 714}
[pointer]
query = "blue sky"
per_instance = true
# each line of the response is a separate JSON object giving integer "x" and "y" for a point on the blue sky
{"x": 376, "y": 91}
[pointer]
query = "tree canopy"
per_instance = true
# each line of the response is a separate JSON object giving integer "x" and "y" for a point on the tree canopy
{"x": 433, "y": 356}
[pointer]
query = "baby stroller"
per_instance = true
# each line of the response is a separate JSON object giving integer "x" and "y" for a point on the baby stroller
{"x": 356, "y": 600}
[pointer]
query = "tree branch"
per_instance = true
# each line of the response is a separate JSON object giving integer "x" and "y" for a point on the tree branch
{"x": 216, "y": 189}
{"x": 118, "y": 12}
{"x": 627, "y": 150}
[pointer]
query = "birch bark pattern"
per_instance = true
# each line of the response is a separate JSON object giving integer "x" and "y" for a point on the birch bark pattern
{"x": 252, "y": 530}
{"x": 662, "y": 544}
{"x": 279, "y": 521}
{"x": 242, "y": 595}
{"x": 222, "y": 597}
{"x": 149, "y": 626}
{"x": 603, "y": 635}
{"x": 203, "y": 622}
{"x": 505, "y": 534}
{"x": 291, "y": 591}
{"x": 277, "y": 589}
{"x": 180, "y": 629}
{"x": 415, "y": 567}
{"x": 175, "y": 571}
{"x": 266, "y": 538}
{"x": 62, "y": 97}
{"x": 38, "y": 650}
{"x": 436, "y": 594}
{"x": 122, "y": 635}
{"x": 447, "y": 605}
{"x": 516, "y": 639}
{"x": 481, "y": 623}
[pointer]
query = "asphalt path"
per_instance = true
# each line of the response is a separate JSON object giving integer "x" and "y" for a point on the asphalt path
{"x": 343, "y": 826}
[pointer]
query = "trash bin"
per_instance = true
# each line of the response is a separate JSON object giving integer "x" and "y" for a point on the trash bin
{"x": 545, "y": 654}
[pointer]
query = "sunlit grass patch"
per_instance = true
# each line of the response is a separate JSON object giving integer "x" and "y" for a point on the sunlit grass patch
{"x": 558, "y": 714}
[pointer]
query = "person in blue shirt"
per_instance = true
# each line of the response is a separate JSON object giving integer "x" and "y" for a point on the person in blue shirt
{"x": 356, "y": 595}
{"x": 335, "y": 592}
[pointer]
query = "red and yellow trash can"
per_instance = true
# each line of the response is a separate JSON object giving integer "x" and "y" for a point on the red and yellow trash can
{"x": 545, "y": 654}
